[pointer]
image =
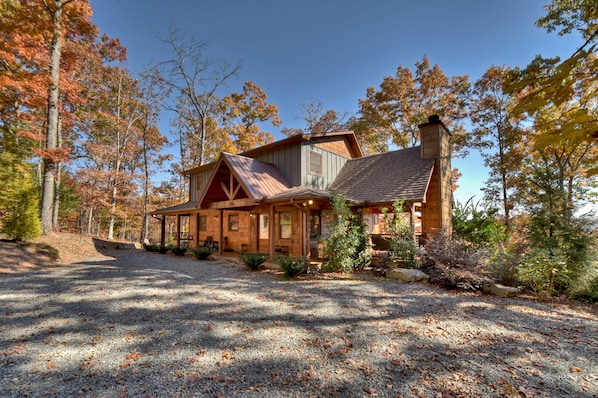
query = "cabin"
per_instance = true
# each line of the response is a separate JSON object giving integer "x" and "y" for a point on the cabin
{"x": 274, "y": 198}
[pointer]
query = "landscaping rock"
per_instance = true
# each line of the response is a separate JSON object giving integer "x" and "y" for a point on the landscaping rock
{"x": 500, "y": 290}
{"x": 407, "y": 275}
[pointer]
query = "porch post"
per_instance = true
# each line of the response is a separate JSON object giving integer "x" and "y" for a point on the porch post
{"x": 272, "y": 240}
{"x": 221, "y": 230}
{"x": 178, "y": 229}
{"x": 306, "y": 232}
{"x": 163, "y": 230}
{"x": 412, "y": 220}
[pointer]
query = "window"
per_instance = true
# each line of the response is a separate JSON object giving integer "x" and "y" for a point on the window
{"x": 233, "y": 222}
{"x": 285, "y": 225}
{"x": 203, "y": 223}
{"x": 315, "y": 222}
{"x": 315, "y": 163}
{"x": 264, "y": 228}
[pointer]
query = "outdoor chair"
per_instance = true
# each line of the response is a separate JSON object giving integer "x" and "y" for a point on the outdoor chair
{"x": 211, "y": 243}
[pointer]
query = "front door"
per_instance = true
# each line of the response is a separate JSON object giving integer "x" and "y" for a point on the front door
{"x": 263, "y": 238}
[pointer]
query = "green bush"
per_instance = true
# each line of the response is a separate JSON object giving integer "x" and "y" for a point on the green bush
{"x": 346, "y": 237}
{"x": 503, "y": 261}
{"x": 19, "y": 203}
{"x": 544, "y": 272}
{"x": 179, "y": 250}
{"x": 402, "y": 244}
{"x": 163, "y": 249}
{"x": 586, "y": 286}
{"x": 202, "y": 253}
{"x": 292, "y": 267}
{"x": 253, "y": 260}
{"x": 151, "y": 248}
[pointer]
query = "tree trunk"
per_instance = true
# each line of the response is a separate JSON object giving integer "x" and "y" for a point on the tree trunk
{"x": 52, "y": 129}
{"x": 58, "y": 180}
{"x": 89, "y": 220}
{"x": 145, "y": 226}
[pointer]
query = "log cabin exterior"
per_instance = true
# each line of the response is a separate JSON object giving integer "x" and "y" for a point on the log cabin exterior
{"x": 272, "y": 199}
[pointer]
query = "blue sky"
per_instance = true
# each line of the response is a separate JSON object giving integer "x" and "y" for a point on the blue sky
{"x": 332, "y": 50}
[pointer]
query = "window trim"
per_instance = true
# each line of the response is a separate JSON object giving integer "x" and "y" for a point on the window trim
{"x": 288, "y": 225}
{"x": 231, "y": 223}
{"x": 315, "y": 155}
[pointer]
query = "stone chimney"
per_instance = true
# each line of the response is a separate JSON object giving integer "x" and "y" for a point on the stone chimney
{"x": 437, "y": 210}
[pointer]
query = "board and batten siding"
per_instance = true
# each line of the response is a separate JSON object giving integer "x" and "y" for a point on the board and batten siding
{"x": 288, "y": 160}
{"x": 332, "y": 164}
{"x": 198, "y": 183}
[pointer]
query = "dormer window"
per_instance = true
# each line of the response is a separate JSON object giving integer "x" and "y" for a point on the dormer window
{"x": 315, "y": 163}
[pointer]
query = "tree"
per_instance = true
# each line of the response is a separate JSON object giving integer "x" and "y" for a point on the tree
{"x": 391, "y": 114}
{"x": 497, "y": 134}
{"x": 43, "y": 46}
{"x": 195, "y": 80}
{"x": 243, "y": 111}
{"x": 317, "y": 120}
{"x": 152, "y": 143}
{"x": 18, "y": 199}
{"x": 549, "y": 82}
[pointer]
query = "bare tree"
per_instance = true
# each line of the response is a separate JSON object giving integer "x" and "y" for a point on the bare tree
{"x": 194, "y": 79}
{"x": 317, "y": 120}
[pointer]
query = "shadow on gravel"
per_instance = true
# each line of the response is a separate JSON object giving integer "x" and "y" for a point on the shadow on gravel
{"x": 149, "y": 324}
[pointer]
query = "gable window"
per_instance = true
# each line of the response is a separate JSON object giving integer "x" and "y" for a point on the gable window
{"x": 315, "y": 162}
{"x": 233, "y": 222}
{"x": 203, "y": 223}
{"x": 285, "y": 225}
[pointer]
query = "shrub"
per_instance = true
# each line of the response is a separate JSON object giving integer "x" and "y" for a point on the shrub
{"x": 292, "y": 267}
{"x": 19, "y": 203}
{"x": 401, "y": 242}
{"x": 451, "y": 265}
{"x": 587, "y": 291}
{"x": 503, "y": 262}
{"x": 163, "y": 249}
{"x": 478, "y": 228}
{"x": 179, "y": 250}
{"x": 151, "y": 248}
{"x": 202, "y": 253}
{"x": 346, "y": 236}
{"x": 253, "y": 260}
{"x": 543, "y": 271}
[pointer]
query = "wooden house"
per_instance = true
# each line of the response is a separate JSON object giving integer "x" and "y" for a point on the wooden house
{"x": 272, "y": 198}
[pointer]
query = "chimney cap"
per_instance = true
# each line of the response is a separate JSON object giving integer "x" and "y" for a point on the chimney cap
{"x": 433, "y": 118}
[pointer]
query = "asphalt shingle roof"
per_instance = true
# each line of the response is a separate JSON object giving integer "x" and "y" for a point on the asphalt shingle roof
{"x": 385, "y": 178}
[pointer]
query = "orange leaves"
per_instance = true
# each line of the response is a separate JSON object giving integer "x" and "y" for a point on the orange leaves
{"x": 130, "y": 359}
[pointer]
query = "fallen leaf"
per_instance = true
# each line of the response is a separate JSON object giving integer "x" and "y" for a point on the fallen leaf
{"x": 576, "y": 369}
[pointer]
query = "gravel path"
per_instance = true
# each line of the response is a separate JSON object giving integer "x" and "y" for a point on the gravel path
{"x": 138, "y": 324}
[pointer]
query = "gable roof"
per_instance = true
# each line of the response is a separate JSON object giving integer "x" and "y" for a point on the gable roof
{"x": 348, "y": 136}
{"x": 257, "y": 179}
{"x": 260, "y": 179}
{"x": 385, "y": 178}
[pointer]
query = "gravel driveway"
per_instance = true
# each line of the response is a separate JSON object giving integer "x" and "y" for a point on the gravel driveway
{"x": 138, "y": 324}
